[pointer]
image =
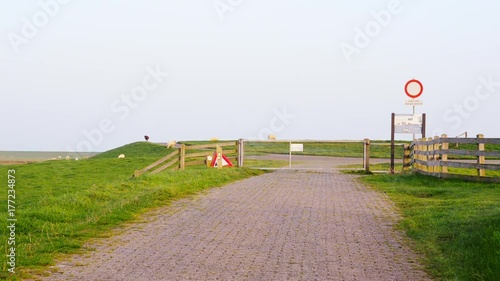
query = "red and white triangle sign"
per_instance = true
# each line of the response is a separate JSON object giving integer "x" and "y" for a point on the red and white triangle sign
{"x": 225, "y": 160}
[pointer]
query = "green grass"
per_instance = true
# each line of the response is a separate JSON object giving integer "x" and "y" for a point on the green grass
{"x": 337, "y": 149}
{"x": 455, "y": 224}
{"x": 62, "y": 204}
{"x": 472, "y": 172}
{"x": 384, "y": 167}
{"x": 398, "y": 168}
{"x": 267, "y": 163}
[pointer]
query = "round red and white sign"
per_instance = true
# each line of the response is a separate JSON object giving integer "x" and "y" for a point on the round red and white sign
{"x": 414, "y": 88}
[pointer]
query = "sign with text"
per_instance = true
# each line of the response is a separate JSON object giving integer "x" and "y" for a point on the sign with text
{"x": 408, "y": 123}
{"x": 414, "y": 102}
{"x": 296, "y": 147}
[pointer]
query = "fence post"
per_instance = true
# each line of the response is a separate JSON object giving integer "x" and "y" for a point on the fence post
{"x": 480, "y": 159}
{"x": 435, "y": 158}
{"x": 430, "y": 148}
{"x": 219, "y": 157}
{"x": 444, "y": 156}
{"x": 406, "y": 157}
{"x": 240, "y": 145}
{"x": 414, "y": 155}
{"x": 416, "y": 148}
{"x": 182, "y": 157}
{"x": 429, "y": 155}
{"x": 366, "y": 155}
{"x": 420, "y": 156}
{"x": 424, "y": 156}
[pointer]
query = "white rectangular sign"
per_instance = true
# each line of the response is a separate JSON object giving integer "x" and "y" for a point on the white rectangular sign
{"x": 414, "y": 102}
{"x": 408, "y": 123}
{"x": 296, "y": 147}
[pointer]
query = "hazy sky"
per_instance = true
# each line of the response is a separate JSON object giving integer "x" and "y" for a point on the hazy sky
{"x": 93, "y": 75}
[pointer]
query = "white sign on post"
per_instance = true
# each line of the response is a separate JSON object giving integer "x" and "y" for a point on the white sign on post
{"x": 296, "y": 147}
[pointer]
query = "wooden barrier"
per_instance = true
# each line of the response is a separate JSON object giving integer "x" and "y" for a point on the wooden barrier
{"x": 183, "y": 157}
{"x": 432, "y": 157}
{"x": 367, "y": 152}
{"x": 202, "y": 151}
{"x": 157, "y": 163}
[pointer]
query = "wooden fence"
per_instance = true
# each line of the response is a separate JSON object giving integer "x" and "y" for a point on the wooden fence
{"x": 191, "y": 155}
{"x": 367, "y": 151}
{"x": 432, "y": 157}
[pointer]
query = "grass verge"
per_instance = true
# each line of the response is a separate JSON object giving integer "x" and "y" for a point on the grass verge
{"x": 455, "y": 224}
{"x": 62, "y": 204}
{"x": 267, "y": 163}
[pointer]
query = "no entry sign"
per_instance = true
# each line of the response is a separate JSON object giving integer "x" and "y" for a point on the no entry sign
{"x": 414, "y": 88}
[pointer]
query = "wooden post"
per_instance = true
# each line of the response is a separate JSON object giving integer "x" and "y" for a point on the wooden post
{"x": 219, "y": 157}
{"x": 406, "y": 157}
{"x": 240, "y": 145}
{"x": 424, "y": 124}
{"x": 420, "y": 156}
{"x": 182, "y": 157}
{"x": 366, "y": 156}
{"x": 444, "y": 157}
{"x": 430, "y": 148}
{"x": 424, "y": 157}
{"x": 435, "y": 158}
{"x": 415, "y": 147}
{"x": 416, "y": 156}
{"x": 480, "y": 159}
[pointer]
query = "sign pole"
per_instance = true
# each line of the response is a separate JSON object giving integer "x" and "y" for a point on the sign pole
{"x": 393, "y": 129}
{"x": 414, "y": 115}
{"x": 290, "y": 162}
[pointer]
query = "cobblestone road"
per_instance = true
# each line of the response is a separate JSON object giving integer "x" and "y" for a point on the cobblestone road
{"x": 286, "y": 225}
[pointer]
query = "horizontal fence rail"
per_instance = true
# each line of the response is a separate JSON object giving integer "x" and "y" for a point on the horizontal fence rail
{"x": 433, "y": 157}
{"x": 157, "y": 163}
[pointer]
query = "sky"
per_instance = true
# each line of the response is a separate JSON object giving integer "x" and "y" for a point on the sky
{"x": 93, "y": 75}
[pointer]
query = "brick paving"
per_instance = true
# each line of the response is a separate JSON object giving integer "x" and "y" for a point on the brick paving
{"x": 286, "y": 225}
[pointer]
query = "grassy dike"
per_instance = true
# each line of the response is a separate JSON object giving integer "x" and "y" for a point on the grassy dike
{"x": 454, "y": 224}
{"x": 62, "y": 204}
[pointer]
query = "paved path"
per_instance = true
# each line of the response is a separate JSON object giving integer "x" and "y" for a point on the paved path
{"x": 286, "y": 225}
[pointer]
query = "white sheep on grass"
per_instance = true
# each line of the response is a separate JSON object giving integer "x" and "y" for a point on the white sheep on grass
{"x": 121, "y": 156}
{"x": 171, "y": 144}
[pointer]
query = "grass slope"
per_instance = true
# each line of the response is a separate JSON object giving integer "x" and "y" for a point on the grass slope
{"x": 455, "y": 224}
{"x": 61, "y": 204}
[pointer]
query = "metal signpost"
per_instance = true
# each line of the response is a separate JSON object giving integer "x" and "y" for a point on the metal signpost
{"x": 296, "y": 147}
{"x": 408, "y": 123}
